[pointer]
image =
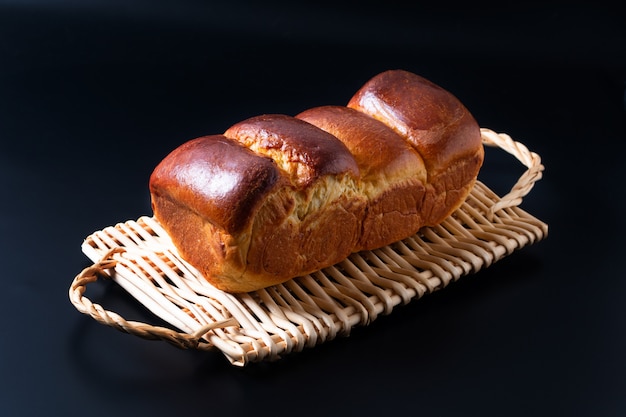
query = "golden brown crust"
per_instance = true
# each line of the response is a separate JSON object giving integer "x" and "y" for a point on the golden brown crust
{"x": 437, "y": 125}
{"x": 378, "y": 150}
{"x": 217, "y": 178}
{"x": 246, "y": 221}
{"x": 305, "y": 152}
{"x": 322, "y": 224}
{"x": 207, "y": 247}
{"x": 392, "y": 173}
{"x": 277, "y": 197}
{"x": 300, "y": 242}
{"x": 434, "y": 121}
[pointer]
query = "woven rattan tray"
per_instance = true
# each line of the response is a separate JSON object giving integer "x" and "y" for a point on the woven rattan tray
{"x": 309, "y": 310}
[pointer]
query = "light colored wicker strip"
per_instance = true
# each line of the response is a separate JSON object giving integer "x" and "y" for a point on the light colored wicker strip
{"x": 528, "y": 179}
{"x": 309, "y": 310}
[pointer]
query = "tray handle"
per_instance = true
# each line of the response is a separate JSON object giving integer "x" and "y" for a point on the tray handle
{"x": 101, "y": 269}
{"x": 527, "y": 180}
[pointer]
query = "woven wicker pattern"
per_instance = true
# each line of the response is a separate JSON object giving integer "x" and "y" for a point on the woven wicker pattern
{"x": 309, "y": 310}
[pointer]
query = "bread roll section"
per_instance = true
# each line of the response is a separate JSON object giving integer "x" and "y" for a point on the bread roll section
{"x": 392, "y": 173}
{"x": 438, "y": 127}
{"x": 276, "y": 196}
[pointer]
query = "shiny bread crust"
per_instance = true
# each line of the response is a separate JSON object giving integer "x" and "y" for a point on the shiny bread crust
{"x": 276, "y": 196}
{"x": 438, "y": 126}
{"x": 392, "y": 173}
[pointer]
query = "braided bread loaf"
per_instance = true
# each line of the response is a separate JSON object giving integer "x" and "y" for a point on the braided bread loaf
{"x": 275, "y": 196}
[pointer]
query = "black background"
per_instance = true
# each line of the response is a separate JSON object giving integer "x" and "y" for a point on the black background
{"x": 94, "y": 94}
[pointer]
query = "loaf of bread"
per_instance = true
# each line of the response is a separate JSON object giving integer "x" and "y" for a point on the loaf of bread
{"x": 275, "y": 196}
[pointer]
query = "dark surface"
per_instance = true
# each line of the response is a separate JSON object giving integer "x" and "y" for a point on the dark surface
{"x": 94, "y": 94}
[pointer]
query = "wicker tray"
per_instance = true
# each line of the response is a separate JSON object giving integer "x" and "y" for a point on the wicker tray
{"x": 309, "y": 310}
